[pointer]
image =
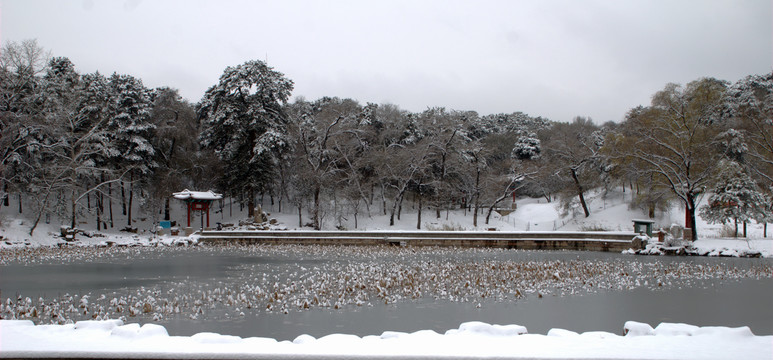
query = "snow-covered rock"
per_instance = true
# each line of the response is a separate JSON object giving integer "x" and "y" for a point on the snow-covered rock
{"x": 633, "y": 328}
{"x": 481, "y": 328}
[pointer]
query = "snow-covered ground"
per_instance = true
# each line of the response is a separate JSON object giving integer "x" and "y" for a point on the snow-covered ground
{"x": 113, "y": 338}
{"x": 609, "y": 212}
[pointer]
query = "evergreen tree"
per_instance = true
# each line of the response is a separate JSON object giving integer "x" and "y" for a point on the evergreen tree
{"x": 21, "y": 65}
{"x": 131, "y": 130}
{"x": 527, "y": 147}
{"x": 748, "y": 107}
{"x": 73, "y": 142}
{"x": 130, "y": 123}
{"x": 245, "y": 125}
{"x": 735, "y": 197}
{"x": 177, "y": 148}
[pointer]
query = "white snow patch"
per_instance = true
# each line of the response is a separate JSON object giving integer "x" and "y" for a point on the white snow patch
{"x": 20, "y": 338}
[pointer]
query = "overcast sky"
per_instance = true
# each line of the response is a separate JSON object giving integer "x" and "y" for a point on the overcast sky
{"x": 556, "y": 59}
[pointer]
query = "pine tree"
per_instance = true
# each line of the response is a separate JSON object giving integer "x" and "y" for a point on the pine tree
{"x": 736, "y": 197}
{"x": 73, "y": 142}
{"x": 130, "y": 129}
{"x": 527, "y": 147}
{"x": 245, "y": 124}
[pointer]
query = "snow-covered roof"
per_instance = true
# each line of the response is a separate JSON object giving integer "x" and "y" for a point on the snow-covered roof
{"x": 197, "y": 195}
{"x": 643, "y": 221}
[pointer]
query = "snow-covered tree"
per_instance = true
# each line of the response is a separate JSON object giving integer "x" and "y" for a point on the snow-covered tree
{"x": 733, "y": 145}
{"x": 94, "y": 107}
{"x": 446, "y": 135}
{"x": 73, "y": 150}
{"x": 748, "y": 107}
{"x": 527, "y": 147}
{"x": 573, "y": 150}
{"x": 318, "y": 130}
{"x": 181, "y": 164}
{"x": 672, "y": 141}
{"x": 245, "y": 125}
{"x": 130, "y": 130}
{"x": 130, "y": 123}
{"x": 736, "y": 197}
{"x": 398, "y": 155}
{"x": 21, "y": 67}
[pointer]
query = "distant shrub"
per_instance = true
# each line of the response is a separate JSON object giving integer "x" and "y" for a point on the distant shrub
{"x": 727, "y": 231}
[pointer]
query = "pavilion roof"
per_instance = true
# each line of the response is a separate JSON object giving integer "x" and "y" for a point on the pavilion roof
{"x": 197, "y": 195}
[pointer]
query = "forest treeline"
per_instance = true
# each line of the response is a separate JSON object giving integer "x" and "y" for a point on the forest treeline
{"x": 90, "y": 145}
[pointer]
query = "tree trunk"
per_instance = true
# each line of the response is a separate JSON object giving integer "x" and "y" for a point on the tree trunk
{"x": 315, "y": 211}
{"x": 491, "y": 208}
{"x": 735, "y": 223}
{"x": 383, "y": 199}
{"x": 691, "y": 214}
{"x": 73, "y": 205}
{"x": 477, "y": 197}
{"x": 393, "y": 211}
{"x": 580, "y": 192}
{"x": 123, "y": 199}
{"x": 418, "y": 220}
{"x": 166, "y": 209}
{"x": 300, "y": 215}
{"x": 547, "y": 196}
{"x": 98, "y": 200}
{"x": 251, "y": 204}
{"x": 6, "y": 201}
{"x": 40, "y": 212}
{"x": 744, "y": 228}
{"x": 110, "y": 202}
{"x": 131, "y": 199}
{"x": 20, "y": 209}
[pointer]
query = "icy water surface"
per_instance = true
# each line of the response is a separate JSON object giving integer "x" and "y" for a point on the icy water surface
{"x": 285, "y": 291}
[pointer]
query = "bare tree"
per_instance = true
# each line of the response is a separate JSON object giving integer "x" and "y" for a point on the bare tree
{"x": 573, "y": 149}
{"x": 672, "y": 141}
{"x": 316, "y": 129}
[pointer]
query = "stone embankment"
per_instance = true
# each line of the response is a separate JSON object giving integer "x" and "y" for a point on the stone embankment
{"x": 530, "y": 240}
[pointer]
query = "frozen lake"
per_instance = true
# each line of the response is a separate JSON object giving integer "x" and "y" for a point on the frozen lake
{"x": 284, "y": 291}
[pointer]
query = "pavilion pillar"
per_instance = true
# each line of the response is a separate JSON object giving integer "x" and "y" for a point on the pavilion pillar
{"x": 189, "y": 214}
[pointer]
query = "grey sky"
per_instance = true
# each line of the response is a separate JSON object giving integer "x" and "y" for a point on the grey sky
{"x": 556, "y": 59}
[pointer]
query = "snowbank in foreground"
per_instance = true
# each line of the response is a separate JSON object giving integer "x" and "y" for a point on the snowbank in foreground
{"x": 111, "y": 338}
